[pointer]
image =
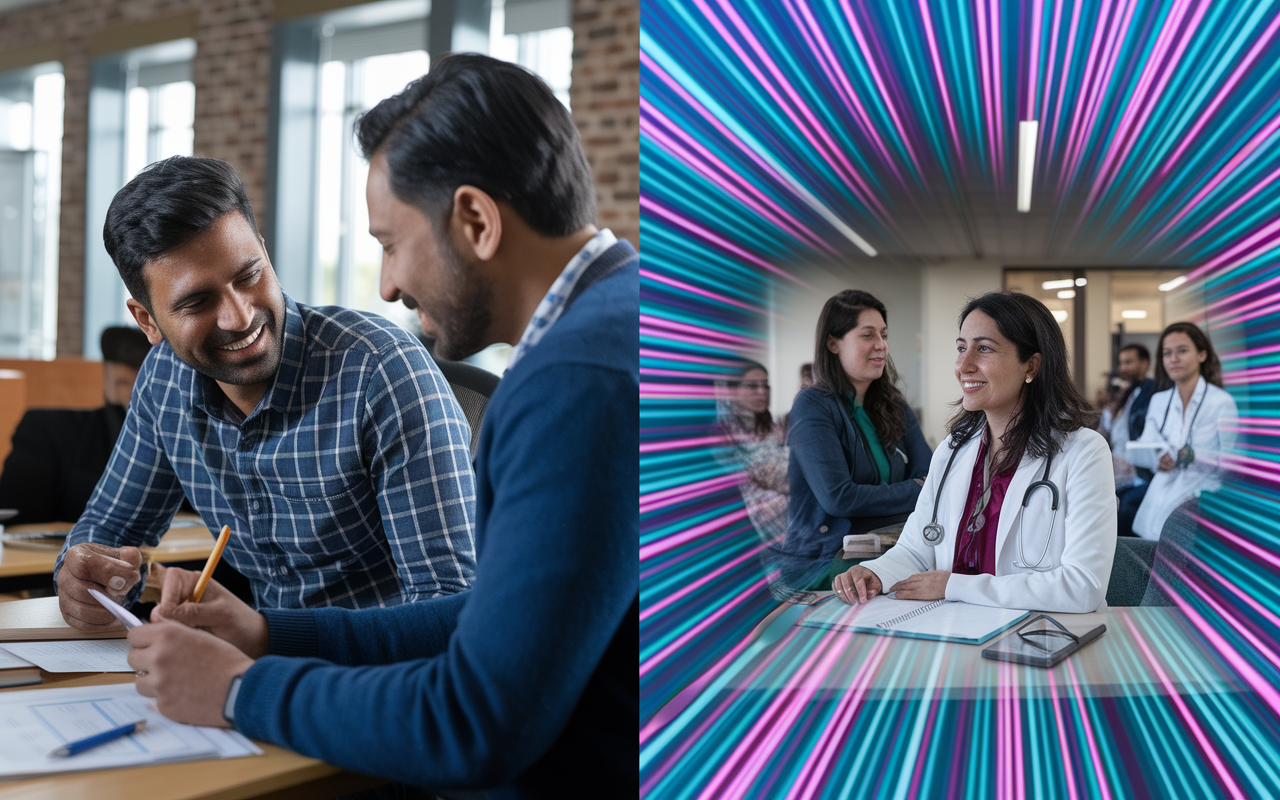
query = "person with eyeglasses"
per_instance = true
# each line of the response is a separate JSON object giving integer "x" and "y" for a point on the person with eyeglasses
{"x": 858, "y": 458}
{"x": 1183, "y": 438}
{"x": 756, "y": 445}
{"x": 1019, "y": 507}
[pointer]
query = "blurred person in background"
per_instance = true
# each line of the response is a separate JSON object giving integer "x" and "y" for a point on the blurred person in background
{"x": 757, "y": 445}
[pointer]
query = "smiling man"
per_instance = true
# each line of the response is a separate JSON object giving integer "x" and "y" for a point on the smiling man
{"x": 326, "y": 438}
{"x": 525, "y": 686}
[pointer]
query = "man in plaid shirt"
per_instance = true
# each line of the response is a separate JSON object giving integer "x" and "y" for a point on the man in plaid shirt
{"x": 326, "y": 438}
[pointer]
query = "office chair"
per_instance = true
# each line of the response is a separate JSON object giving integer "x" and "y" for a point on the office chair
{"x": 1177, "y": 538}
{"x": 472, "y": 387}
{"x": 1131, "y": 571}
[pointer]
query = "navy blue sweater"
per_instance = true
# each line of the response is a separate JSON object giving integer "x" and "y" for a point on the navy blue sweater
{"x": 525, "y": 684}
{"x": 835, "y": 487}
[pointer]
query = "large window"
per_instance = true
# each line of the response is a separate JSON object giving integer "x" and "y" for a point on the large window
{"x": 30, "y": 194}
{"x": 141, "y": 110}
{"x": 536, "y": 34}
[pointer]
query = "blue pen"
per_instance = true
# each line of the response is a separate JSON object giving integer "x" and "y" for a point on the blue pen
{"x": 79, "y": 746}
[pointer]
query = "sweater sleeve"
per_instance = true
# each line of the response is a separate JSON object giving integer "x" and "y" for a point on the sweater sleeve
{"x": 350, "y": 636}
{"x": 815, "y": 443}
{"x": 556, "y": 577}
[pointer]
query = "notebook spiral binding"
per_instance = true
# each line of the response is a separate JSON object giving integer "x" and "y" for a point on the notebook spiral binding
{"x": 901, "y": 618}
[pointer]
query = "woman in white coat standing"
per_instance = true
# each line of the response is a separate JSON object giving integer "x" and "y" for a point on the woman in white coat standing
{"x": 1019, "y": 507}
{"x": 1185, "y": 422}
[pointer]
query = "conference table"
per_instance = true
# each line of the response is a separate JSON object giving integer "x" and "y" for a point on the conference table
{"x": 815, "y": 713}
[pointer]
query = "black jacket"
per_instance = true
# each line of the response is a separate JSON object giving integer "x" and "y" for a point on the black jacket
{"x": 57, "y": 458}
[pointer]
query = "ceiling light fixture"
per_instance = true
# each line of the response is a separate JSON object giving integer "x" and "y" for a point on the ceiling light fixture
{"x": 1027, "y": 132}
{"x": 1082, "y": 281}
{"x": 1066, "y": 284}
{"x": 1133, "y": 313}
{"x": 1060, "y": 314}
{"x": 1066, "y": 294}
{"x": 1173, "y": 284}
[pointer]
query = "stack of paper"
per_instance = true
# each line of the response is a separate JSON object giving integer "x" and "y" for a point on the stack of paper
{"x": 91, "y": 655}
{"x": 34, "y": 723}
{"x": 15, "y": 671}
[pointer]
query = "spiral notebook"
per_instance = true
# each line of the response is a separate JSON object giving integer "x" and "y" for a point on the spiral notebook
{"x": 942, "y": 620}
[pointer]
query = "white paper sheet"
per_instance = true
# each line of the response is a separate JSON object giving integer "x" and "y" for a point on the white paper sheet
{"x": 10, "y": 661}
{"x": 87, "y": 655}
{"x": 35, "y": 722}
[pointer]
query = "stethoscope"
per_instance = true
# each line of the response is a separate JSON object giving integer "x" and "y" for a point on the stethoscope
{"x": 934, "y": 533}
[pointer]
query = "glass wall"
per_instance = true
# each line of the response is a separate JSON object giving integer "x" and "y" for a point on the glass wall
{"x": 31, "y": 102}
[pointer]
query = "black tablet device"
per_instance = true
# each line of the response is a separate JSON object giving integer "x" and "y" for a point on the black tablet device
{"x": 1040, "y": 642}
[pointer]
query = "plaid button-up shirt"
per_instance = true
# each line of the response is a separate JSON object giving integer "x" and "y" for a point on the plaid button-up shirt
{"x": 349, "y": 485}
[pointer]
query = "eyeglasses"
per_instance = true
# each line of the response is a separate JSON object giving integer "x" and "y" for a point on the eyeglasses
{"x": 1031, "y": 637}
{"x": 753, "y": 385}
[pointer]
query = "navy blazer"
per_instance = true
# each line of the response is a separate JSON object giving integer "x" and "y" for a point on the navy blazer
{"x": 835, "y": 486}
{"x": 1142, "y": 395}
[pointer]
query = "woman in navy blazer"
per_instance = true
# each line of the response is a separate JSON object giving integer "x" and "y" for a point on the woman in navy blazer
{"x": 858, "y": 458}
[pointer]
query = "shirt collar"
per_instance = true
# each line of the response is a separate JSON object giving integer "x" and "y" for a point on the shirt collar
{"x": 552, "y": 306}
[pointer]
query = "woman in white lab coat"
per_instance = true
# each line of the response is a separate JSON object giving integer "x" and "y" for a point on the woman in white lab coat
{"x": 985, "y": 530}
{"x": 1183, "y": 438}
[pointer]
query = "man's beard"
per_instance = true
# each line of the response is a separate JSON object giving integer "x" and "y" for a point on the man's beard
{"x": 461, "y": 315}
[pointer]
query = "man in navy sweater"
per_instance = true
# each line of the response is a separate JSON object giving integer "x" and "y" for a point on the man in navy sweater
{"x": 525, "y": 685}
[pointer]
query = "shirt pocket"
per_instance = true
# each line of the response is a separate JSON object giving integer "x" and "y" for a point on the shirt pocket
{"x": 326, "y": 521}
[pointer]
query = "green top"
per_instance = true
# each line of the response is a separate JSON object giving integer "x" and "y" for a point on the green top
{"x": 864, "y": 425}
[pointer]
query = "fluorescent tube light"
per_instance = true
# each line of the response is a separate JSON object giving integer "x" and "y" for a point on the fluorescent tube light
{"x": 1133, "y": 313}
{"x": 1082, "y": 281}
{"x": 1066, "y": 294}
{"x": 1065, "y": 284}
{"x": 1060, "y": 314}
{"x": 1173, "y": 284}
{"x": 1027, "y": 132}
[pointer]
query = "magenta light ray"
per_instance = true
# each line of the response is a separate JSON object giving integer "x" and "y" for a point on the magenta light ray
{"x": 1227, "y": 89}
{"x": 1230, "y": 318}
{"x": 687, "y": 287}
{"x": 809, "y": 782}
{"x": 1188, "y": 718}
{"x": 886, "y": 96}
{"x": 706, "y": 235}
{"x": 825, "y": 148}
{"x": 1064, "y": 746}
{"x": 802, "y": 15}
{"x": 1063, "y": 85}
{"x": 997, "y": 91}
{"x": 984, "y": 73}
{"x": 690, "y": 491}
{"x": 1265, "y": 555}
{"x": 730, "y": 605}
{"x": 709, "y": 333}
{"x": 1252, "y": 638}
{"x": 1260, "y": 235}
{"x": 1074, "y": 155}
{"x": 1043, "y": 146}
{"x": 680, "y": 444}
{"x": 1104, "y": 789}
{"x": 931, "y": 732}
{"x": 673, "y": 541}
{"x": 767, "y": 209}
{"x": 646, "y": 352}
{"x": 649, "y": 611}
{"x": 941, "y": 78}
{"x": 1213, "y": 223}
{"x": 1037, "y": 10}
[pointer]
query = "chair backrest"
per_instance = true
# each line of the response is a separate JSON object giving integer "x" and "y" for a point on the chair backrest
{"x": 472, "y": 387}
{"x": 1177, "y": 538}
{"x": 1130, "y": 571}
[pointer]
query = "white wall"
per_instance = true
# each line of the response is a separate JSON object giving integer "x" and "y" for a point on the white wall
{"x": 796, "y": 318}
{"x": 945, "y": 290}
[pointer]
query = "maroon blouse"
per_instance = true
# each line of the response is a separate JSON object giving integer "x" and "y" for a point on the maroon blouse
{"x": 976, "y": 552}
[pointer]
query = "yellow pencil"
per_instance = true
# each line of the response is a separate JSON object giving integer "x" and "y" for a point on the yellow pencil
{"x": 213, "y": 562}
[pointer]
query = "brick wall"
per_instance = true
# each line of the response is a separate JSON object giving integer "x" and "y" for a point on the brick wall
{"x": 605, "y": 96}
{"x": 232, "y": 75}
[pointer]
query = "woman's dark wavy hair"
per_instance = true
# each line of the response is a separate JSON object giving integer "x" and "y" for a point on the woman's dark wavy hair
{"x": 763, "y": 422}
{"x": 883, "y": 401}
{"x": 1051, "y": 404}
{"x": 1211, "y": 369}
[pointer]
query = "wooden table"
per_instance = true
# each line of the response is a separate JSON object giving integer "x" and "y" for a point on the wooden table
{"x": 184, "y": 542}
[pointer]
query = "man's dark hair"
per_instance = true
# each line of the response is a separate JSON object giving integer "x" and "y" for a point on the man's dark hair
{"x": 1051, "y": 403}
{"x": 167, "y": 205}
{"x": 1142, "y": 352}
{"x": 482, "y": 122}
{"x": 124, "y": 344}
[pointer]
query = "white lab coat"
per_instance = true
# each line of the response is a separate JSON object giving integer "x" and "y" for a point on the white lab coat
{"x": 1082, "y": 542}
{"x": 1168, "y": 490}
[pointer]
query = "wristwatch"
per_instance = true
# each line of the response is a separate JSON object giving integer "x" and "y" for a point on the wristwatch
{"x": 229, "y": 708}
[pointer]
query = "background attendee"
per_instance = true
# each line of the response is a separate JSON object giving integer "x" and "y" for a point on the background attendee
{"x": 1021, "y": 421}
{"x": 857, "y": 455}
{"x": 59, "y": 454}
{"x": 325, "y": 438}
{"x": 757, "y": 445}
{"x": 1123, "y": 421}
{"x": 1185, "y": 420}
{"x": 526, "y": 684}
